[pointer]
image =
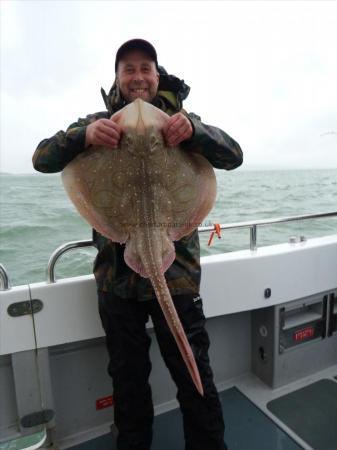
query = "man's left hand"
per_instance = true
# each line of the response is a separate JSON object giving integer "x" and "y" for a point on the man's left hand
{"x": 178, "y": 129}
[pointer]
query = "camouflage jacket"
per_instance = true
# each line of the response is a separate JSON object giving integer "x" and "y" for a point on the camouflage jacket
{"x": 110, "y": 270}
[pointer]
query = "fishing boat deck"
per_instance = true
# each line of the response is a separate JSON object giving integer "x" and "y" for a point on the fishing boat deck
{"x": 244, "y": 425}
{"x": 272, "y": 320}
{"x": 168, "y": 432}
{"x": 249, "y": 422}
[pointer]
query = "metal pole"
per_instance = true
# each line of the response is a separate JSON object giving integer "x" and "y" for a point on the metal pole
{"x": 253, "y": 235}
{"x": 4, "y": 280}
{"x": 59, "y": 252}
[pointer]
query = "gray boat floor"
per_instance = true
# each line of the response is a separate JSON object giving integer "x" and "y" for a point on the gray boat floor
{"x": 247, "y": 427}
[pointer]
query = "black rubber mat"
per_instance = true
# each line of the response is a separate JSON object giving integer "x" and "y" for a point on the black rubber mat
{"x": 247, "y": 428}
{"x": 311, "y": 412}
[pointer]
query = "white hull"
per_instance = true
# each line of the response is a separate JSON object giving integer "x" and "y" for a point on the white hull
{"x": 68, "y": 372}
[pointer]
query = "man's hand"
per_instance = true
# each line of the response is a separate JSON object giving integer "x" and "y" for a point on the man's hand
{"x": 103, "y": 132}
{"x": 178, "y": 129}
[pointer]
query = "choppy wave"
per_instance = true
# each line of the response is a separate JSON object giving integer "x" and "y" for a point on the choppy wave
{"x": 36, "y": 216}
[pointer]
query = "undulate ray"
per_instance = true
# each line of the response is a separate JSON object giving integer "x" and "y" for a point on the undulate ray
{"x": 145, "y": 195}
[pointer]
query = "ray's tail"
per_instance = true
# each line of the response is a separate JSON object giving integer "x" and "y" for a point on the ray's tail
{"x": 165, "y": 300}
{"x": 172, "y": 318}
{"x": 150, "y": 256}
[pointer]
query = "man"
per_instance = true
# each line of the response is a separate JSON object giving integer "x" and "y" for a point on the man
{"x": 125, "y": 299}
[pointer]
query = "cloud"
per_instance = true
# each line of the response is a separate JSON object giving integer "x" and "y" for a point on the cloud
{"x": 264, "y": 72}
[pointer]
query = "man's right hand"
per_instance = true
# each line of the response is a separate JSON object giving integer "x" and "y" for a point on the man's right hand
{"x": 103, "y": 132}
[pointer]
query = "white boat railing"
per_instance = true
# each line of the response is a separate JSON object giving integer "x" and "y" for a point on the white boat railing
{"x": 230, "y": 226}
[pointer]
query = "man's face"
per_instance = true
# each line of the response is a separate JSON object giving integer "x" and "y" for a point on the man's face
{"x": 137, "y": 76}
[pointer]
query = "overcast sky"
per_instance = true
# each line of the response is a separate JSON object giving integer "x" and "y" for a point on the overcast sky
{"x": 265, "y": 72}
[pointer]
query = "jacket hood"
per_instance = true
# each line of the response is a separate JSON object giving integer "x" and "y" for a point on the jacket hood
{"x": 171, "y": 90}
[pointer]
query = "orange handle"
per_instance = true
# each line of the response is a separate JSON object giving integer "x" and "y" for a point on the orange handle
{"x": 210, "y": 238}
{"x": 217, "y": 230}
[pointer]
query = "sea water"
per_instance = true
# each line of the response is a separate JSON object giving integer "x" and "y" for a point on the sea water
{"x": 36, "y": 217}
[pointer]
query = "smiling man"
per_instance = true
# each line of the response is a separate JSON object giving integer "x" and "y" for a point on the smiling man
{"x": 125, "y": 299}
{"x": 137, "y": 76}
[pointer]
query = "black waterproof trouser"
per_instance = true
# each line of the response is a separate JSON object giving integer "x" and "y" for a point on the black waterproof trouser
{"x": 128, "y": 344}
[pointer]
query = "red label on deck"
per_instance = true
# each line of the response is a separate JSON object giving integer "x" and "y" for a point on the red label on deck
{"x": 104, "y": 402}
{"x": 305, "y": 333}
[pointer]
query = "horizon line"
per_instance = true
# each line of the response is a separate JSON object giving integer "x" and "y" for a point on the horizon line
{"x": 242, "y": 168}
